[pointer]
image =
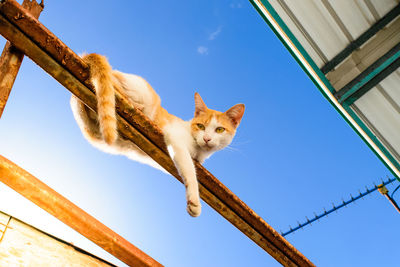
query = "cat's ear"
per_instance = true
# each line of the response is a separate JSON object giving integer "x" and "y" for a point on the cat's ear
{"x": 199, "y": 105}
{"x": 235, "y": 114}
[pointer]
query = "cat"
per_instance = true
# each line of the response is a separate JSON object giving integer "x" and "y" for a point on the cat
{"x": 208, "y": 131}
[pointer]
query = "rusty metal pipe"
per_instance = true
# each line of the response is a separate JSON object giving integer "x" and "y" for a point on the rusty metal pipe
{"x": 42, "y": 195}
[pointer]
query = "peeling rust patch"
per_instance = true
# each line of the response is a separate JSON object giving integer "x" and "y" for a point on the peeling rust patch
{"x": 18, "y": 16}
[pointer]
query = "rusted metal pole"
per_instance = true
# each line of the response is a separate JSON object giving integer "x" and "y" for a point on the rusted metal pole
{"x": 39, "y": 193}
{"x": 44, "y": 48}
{"x": 11, "y": 58}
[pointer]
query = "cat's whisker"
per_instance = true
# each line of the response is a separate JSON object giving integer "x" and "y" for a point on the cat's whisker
{"x": 242, "y": 143}
{"x": 232, "y": 148}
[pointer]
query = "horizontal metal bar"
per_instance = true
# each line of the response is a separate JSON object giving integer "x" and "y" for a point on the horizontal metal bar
{"x": 373, "y": 82}
{"x": 363, "y": 38}
{"x": 39, "y": 193}
{"x": 44, "y": 48}
{"x": 368, "y": 74}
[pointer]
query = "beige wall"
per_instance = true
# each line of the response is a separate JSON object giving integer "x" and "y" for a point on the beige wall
{"x": 24, "y": 245}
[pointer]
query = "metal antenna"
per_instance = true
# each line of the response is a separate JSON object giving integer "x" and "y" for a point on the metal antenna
{"x": 335, "y": 208}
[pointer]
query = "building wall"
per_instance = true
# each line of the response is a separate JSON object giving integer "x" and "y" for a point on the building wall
{"x": 24, "y": 245}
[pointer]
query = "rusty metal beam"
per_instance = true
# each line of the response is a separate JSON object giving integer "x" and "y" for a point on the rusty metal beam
{"x": 44, "y": 48}
{"x": 70, "y": 214}
{"x": 11, "y": 58}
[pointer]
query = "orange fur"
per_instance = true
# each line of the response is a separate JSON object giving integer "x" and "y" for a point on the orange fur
{"x": 100, "y": 76}
{"x": 229, "y": 119}
{"x": 206, "y": 117}
{"x": 161, "y": 116}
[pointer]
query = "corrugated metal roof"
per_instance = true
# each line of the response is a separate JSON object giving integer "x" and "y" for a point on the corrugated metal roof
{"x": 318, "y": 33}
{"x": 380, "y": 108}
{"x": 324, "y": 28}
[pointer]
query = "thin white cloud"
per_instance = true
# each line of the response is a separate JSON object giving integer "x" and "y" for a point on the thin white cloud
{"x": 202, "y": 50}
{"x": 235, "y": 5}
{"x": 215, "y": 34}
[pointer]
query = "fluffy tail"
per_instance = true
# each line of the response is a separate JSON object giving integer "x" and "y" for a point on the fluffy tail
{"x": 101, "y": 77}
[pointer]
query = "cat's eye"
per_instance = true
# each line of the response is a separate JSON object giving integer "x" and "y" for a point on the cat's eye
{"x": 220, "y": 129}
{"x": 201, "y": 126}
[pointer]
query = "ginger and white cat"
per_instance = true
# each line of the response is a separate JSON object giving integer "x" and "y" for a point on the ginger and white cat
{"x": 208, "y": 132}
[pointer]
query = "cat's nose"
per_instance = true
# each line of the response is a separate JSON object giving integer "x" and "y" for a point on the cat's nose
{"x": 206, "y": 139}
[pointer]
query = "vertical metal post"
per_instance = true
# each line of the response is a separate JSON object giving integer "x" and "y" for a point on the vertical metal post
{"x": 11, "y": 58}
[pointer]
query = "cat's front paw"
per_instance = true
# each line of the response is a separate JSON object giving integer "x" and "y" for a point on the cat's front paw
{"x": 193, "y": 208}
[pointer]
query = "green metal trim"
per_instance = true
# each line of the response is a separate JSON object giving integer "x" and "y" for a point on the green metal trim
{"x": 371, "y": 135}
{"x": 374, "y": 81}
{"x": 314, "y": 66}
{"x": 369, "y": 77}
{"x": 294, "y": 40}
{"x": 347, "y": 93}
{"x": 362, "y": 39}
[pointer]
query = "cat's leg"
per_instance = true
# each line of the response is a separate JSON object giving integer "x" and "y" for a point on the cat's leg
{"x": 86, "y": 119}
{"x": 184, "y": 164}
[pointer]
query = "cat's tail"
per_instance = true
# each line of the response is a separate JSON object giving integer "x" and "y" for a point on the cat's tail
{"x": 101, "y": 78}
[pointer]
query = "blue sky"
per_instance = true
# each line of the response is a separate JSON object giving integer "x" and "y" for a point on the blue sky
{"x": 293, "y": 154}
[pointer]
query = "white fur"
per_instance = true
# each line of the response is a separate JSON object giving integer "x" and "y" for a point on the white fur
{"x": 120, "y": 147}
{"x": 218, "y": 140}
{"x": 181, "y": 146}
{"x": 137, "y": 90}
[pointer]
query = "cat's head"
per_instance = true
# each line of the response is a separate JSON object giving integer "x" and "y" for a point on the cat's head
{"x": 213, "y": 130}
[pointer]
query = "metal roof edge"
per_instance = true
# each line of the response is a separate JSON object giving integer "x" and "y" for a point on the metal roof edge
{"x": 272, "y": 18}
